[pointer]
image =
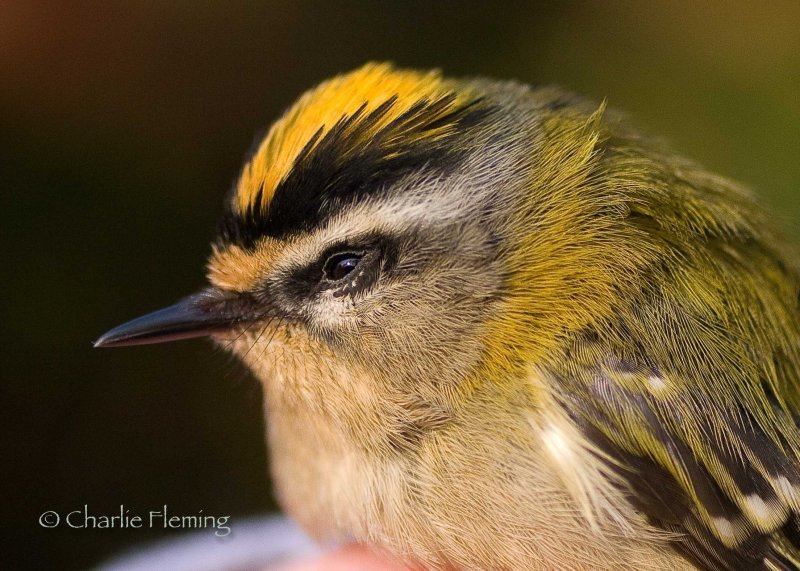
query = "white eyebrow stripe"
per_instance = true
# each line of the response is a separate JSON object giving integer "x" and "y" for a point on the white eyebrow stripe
{"x": 391, "y": 215}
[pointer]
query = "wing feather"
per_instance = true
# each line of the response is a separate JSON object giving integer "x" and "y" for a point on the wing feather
{"x": 711, "y": 473}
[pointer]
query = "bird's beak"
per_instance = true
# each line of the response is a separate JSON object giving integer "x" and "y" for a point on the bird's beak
{"x": 198, "y": 315}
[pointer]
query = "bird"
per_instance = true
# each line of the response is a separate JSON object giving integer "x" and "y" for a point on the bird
{"x": 499, "y": 327}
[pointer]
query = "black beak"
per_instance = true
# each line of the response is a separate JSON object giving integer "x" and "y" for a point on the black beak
{"x": 198, "y": 315}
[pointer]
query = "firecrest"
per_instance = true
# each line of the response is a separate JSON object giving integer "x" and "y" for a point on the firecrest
{"x": 499, "y": 328}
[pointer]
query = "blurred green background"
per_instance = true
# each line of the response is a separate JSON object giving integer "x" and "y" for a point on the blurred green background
{"x": 122, "y": 125}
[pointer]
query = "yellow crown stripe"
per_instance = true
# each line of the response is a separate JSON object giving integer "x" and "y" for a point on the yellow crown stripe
{"x": 320, "y": 109}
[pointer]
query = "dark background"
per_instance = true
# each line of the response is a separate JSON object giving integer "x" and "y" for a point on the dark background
{"x": 122, "y": 125}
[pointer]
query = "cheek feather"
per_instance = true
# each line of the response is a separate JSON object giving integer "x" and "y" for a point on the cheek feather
{"x": 330, "y": 311}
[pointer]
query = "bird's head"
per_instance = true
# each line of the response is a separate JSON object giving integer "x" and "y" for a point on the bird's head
{"x": 409, "y": 229}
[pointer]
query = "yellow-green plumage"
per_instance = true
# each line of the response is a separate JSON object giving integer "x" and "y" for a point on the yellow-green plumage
{"x": 553, "y": 343}
{"x": 690, "y": 362}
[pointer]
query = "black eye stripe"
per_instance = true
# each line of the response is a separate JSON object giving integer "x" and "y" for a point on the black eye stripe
{"x": 360, "y": 262}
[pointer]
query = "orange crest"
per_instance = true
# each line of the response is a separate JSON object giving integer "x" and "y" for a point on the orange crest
{"x": 320, "y": 109}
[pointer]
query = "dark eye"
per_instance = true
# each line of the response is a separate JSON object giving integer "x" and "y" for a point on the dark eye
{"x": 339, "y": 265}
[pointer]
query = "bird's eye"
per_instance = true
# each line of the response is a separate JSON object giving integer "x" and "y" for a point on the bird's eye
{"x": 339, "y": 265}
